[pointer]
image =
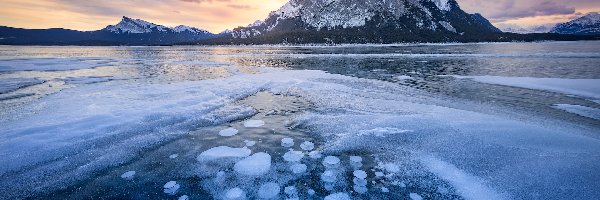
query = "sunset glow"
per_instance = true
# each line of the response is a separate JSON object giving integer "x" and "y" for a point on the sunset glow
{"x": 218, "y": 15}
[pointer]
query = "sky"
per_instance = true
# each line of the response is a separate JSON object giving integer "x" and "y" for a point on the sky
{"x": 218, "y": 15}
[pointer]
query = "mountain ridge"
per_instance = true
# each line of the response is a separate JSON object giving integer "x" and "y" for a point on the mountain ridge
{"x": 586, "y": 25}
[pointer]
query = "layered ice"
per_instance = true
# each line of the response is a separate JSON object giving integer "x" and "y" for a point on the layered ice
{"x": 581, "y": 87}
{"x": 593, "y": 113}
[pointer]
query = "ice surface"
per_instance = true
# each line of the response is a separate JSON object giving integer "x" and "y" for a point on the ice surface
{"x": 291, "y": 191}
{"x": 80, "y": 131}
{"x": 415, "y": 196}
{"x": 235, "y": 194}
{"x": 269, "y": 190}
{"x": 223, "y": 152}
{"x": 307, "y": 146}
{"x": 293, "y": 156}
{"x": 355, "y": 159}
{"x": 170, "y": 184}
{"x": 311, "y": 192}
{"x": 338, "y": 196}
{"x": 173, "y": 156}
{"x": 254, "y": 123}
{"x": 468, "y": 186}
{"x": 287, "y": 142}
{"x": 361, "y": 189}
{"x": 184, "y": 197}
{"x": 55, "y": 64}
{"x": 580, "y": 87}
{"x": 255, "y": 165}
{"x": 228, "y": 132}
{"x": 128, "y": 175}
{"x": 298, "y": 168}
{"x": 13, "y": 84}
{"x": 593, "y": 113}
{"x": 385, "y": 190}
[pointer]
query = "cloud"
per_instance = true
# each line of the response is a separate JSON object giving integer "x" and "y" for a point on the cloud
{"x": 504, "y": 10}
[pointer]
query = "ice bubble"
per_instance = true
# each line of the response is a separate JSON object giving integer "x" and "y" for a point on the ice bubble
{"x": 360, "y": 189}
{"x": 254, "y": 123}
{"x": 287, "y": 142}
{"x": 228, "y": 132}
{"x": 360, "y": 182}
{"x": 315, "y": 154}
{"x": 128, "y": 175}
{"x": 392, "y": 168}
{"x": 298, "y": 168}
{"x": 415, "y": 196}
{"x": 338, "y": 196}
{"x": 235, "y": 194}
{"x": 360, "y": 174}
{"x": 355, "y": 159}
{"x": 307, "y": 146}
{"x": 331, "y": 162}
{"x": 328, "y": 176}
{"x": 311, "y": 192}
{"x": 269, "y": 190}
{"x": 184, "y": 197}
{"x": 398, "y": 183}
{"x": 255, "y": 165}
{"x": 173, "y": 156}
{"x": 293, "y": 156}
{"x": 223, "y": 152}
{"x": 379, "y": 174}
{"x": 385, "y": 190}
{"x": 171, "y": 187}
{"x": 249, "y": 143}
{"x": 170, "y": 184}
{"x": 291, "y": 191}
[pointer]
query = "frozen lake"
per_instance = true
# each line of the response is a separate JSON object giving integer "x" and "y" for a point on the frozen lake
{"x": 454, "y": 121}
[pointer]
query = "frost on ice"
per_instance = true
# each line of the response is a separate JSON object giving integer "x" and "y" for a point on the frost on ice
{"x": 255, "y": 165}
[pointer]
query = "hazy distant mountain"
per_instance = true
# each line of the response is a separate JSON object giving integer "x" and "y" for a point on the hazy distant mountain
{"x": 305, "y": 21}
{"x": 586, "y": 25}
{"x": 127, "y": 32}
{"x": 513, "y": 28}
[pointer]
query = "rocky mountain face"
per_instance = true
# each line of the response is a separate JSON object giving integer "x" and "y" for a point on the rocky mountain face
{"x": 127, "y": 32}
{"x": 306, "y": 21}
{"x": 586, "y": 25}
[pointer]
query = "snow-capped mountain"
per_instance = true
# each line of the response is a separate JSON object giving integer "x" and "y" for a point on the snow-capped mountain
{"x": 127, "y": 32}
{"x": 129, "y": 25}
{"x": 586, "y": 25}
{"x": 358, "y": 20}
{"x": 513, "y": 28}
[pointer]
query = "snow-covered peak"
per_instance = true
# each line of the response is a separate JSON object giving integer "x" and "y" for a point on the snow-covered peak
{"x": 129, "y": 25}
{"x": 442, "y": 4}
{"x": 589, "y": 19}
{"x": 226, "y": 31}
{"x": 256, "y": 23}
{"x": 184, "y": 28}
